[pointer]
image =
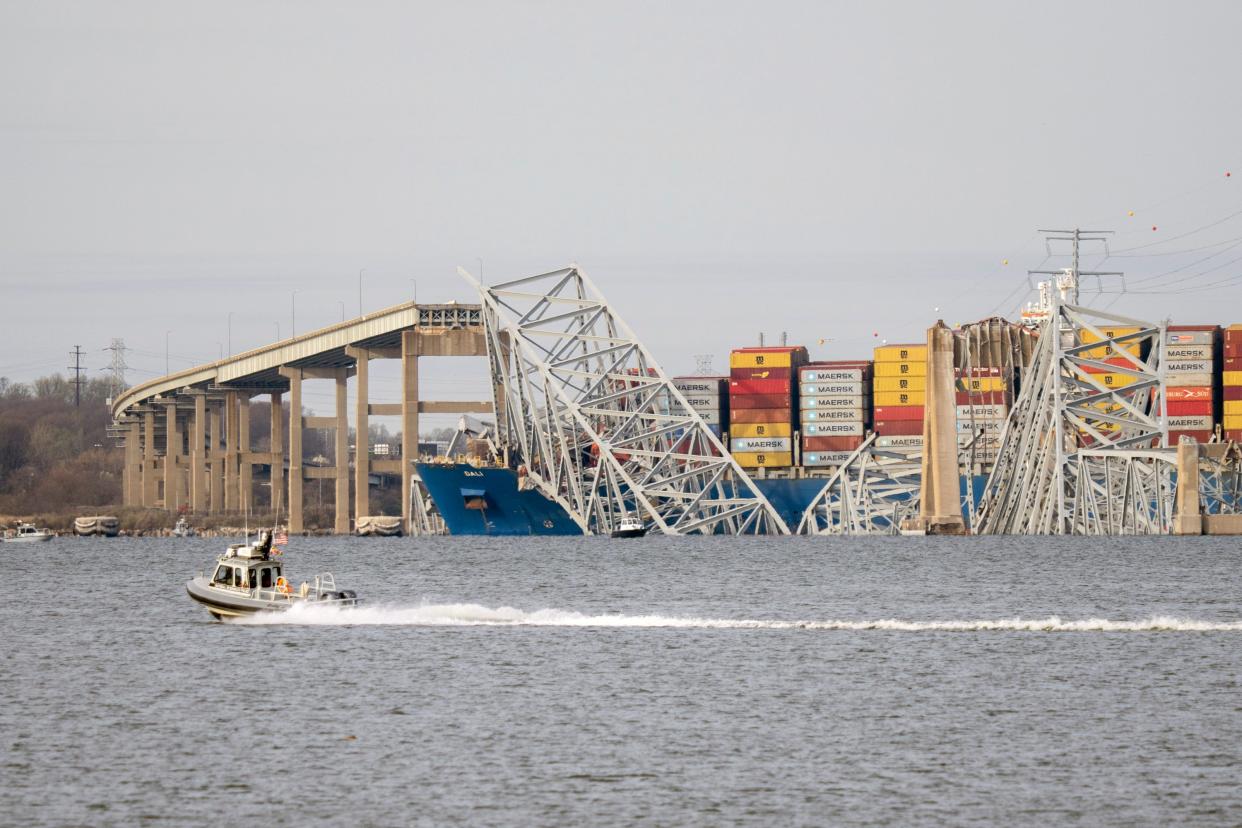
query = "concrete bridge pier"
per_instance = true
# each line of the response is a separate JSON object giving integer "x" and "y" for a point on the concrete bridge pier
{"x": 362, "y": 426}
{"x": 215, "y": 456}
{"x": 277, "y": 448}
{"x": 172, "y": 458}
{"x": 230, "y": 452}
{"x": 340, "y": 503}
{"x": 149, "y": 483}
{"x": 294, "y": 375}
{"x": 198, "y": 456}
{"x": 245, "y": 473}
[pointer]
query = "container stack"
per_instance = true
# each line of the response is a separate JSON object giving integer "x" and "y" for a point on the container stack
{"x": 983, "y": 399}
{"x": 900, "y": 392}
{"x": 834, "y": 401}
{"x": 1190, "y": 381}
{"x": 1110, "y": 355}
{"x": 1231, "y": 390}
{"x": 762, "y": 405}
{"x": 709, "y": 397}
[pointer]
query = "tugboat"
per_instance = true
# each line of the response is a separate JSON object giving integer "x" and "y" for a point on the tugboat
{"x": 249, "y": 579}
{"x": 631, "y": 526}
{"x": 28, "y": 533}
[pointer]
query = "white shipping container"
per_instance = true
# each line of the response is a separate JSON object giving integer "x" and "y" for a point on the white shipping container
{"x": 697, "y": 402}
{"x": 1190, "y": 423}
{"x": 819, "y": 459}
{"x": 1190, "y": 337}
{"x": 900, "y": 441}
{"x": 1195, "y": 366}
{"x": 853, "y": 389}
{"x": 989, "y": 440}
{"x": 1183, "y": 352}
{"x": 986, "y": 426}
{"x": 982, "y": 412}
{"x": 833, "y": 415}
{"x": 1188, "y": 380}
{"x": 853, "y": 429}
{"x": 761, "y": 444}
{"x": 709, "y": 417}
{"x": 697, "y": 387}
{"x": 831, "y": 375}
{"x": 859, "y": 401}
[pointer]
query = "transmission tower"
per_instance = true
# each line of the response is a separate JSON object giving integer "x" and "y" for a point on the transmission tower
{"x": 118, "y": 365}
{"x": 703, "y": 365}
{"x": 77, "y": 369}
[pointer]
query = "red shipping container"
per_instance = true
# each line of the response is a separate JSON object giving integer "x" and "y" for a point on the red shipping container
{"x": 761, "y": 386}
{"x": 899, "y": 412}
{"x": 761, "y": 415}
{"x": 983, "y": 398}
{"x": 1190, "y": 392}
{"x": 1194, "y": 327}
{"x": 1233, "y": 350}
{"x": 1235, "y": 435}
{"x": 1233, "y": 334}
{"x": 1120, "y": 362}
{"x": 760, "y": 373}
{"x": 831, "y": 443}
{"x": 1232, "y": 392}
{"x": 898, "y": 428}
{"x": 737, "y": 401}
{"x": 1233, "y": 364}
{"x": 1197, "y": 436}
{"x": 1189, "y": 408}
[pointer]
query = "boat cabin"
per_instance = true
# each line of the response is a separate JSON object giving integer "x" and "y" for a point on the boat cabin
{"x": 246, "y": 574}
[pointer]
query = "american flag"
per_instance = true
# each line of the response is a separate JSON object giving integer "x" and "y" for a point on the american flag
{"x": 282, "y": 537}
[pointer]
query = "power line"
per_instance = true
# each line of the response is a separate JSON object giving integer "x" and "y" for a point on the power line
{"x": 76, "y": 367}
{"x": 117, "y": 366}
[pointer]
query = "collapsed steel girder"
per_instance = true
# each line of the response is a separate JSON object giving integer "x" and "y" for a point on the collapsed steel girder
{"x": 1078, "y": 456}
{"x": 595, "y": 422}
{"x": 872, "y": 492}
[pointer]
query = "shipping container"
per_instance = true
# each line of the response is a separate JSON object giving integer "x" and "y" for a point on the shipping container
{"x": 890, "y": 427}
{"x": 1191, "y": 423}
{"x": 853, "y": 401}
{"x": 883, "y": 398}
{"x": 1231, "y": 392}
{"x": 1232, "y": 350}
{"x": 851, "y": 429}
{"x": 901, "y": 369}
{"x": 770, "y": 357}
{"x": 821, "y": 443}
{"x": 743, "y": 401}
{"x": 814, "y": 373}
{"x": 1202, "y": 392}
{"x": 983, "y": 397}
{"x": 1232, "y": 377}
{"x": 832, "y": 415}
{"x": 899, "y": 412}
{"x": 766, "y": 460}
{"x": 820, "y": 389}
{"x": 702, "y": 386}
{"x": 979, "y": 384}
{"x": 982, "y": 412}
{"x": 1193, "y": 380}
{"x": 1191, "y": 366}
{"x": 1189, "y": 352}
{"x": 761, "y": 374}
{"x": 761, "y": 444}
{"x": 704, "y": 403}
{"x": 901, "y": 353}
{"x": 782, "y": 429}
{"x": 1196, "y": 408}
{"x": 899, "y": 441}
{"x": 1232, "y": 407}
{"x": 977, "y": 426}
{"x": 761, "y": 386}
{"x": 900, "y": 384}
{"x": 1197, "y": 436}
{"x": 761, "y": 415}
{"x": 820, "y": 459}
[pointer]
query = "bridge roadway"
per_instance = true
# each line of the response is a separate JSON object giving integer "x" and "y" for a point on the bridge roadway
{"x": 187, "y": 435}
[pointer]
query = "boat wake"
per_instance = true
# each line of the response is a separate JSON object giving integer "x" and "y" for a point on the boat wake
{"x": 475, "y": 615}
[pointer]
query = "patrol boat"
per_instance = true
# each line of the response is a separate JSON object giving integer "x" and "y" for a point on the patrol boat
{"x": 249, "y": 578}
{"x": 29, "y": 533}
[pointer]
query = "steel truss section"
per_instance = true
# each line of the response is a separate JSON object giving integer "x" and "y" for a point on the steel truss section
{"x": 1067, "y": 417}
{"x": 597, "y": 426}
{"x": 871, "y": 493}
{"x": 1118, "y": 492}
{"x": 1220, "y": 479}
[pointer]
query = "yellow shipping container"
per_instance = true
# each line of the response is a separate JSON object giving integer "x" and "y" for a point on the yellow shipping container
{"x": 899, "y": 384}
{"x": 761, "y": 430}
{"x": 1111, "y": 333}
{"x": 1108, "y": 351}
{"x": 900, "y": 398}
{"x": 1114, "y": 380}
{"x": 1233, "y": 422}
{"x": 980, "y": 384}
{"x": 767, "y": 460}
{"x": 1233, "y": 377}
{"x": 760, "y": 359}
{"x": 916, "y": 368}
{"x": 1233, "y": 407}
{"x": 901, "y": 353}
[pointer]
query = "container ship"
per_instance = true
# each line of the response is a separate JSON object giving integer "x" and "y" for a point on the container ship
{"x": 791, "y": 421}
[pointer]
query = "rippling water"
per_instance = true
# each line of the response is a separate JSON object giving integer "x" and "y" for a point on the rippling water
{"x": 558, "y": 681}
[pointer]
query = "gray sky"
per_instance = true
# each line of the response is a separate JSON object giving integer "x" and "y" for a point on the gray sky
{"x": 832, "y": 170}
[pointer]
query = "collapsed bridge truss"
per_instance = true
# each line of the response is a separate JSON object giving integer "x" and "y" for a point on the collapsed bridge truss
{"x": 595, "y": 423}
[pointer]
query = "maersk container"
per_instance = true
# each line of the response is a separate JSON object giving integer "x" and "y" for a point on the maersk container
{"x": 813, "y": 374}
{"x": 982, "y": 398}
{"x": 709, "y": 417}
{"x": 765, "y": 387}
{"x": 820, "y": 459}
{"x": 755, "y": 430}
{"x": 831, "y": 443}
{"x": 1188, "y": 366}
{"x": 854, "y": 401}
{"x": 1190, "y": 423}
{"x": 915, "y": 368}
{"x": 901, "y": 353}
{"x": 965, "y": 412}
{"x": 833, "y": 415}
{"x": 703, "y": 402}
{"x": 1203, "y": 392}
{"x": 889, "y": 384}
{"x": 977, "y": 384}
{"x": 851, "y": 429}
{"x": 986, "y": 426}
{"x": 883, "y": 398}
{"x": 767, "y": 460}
{"x": 771, "y": 357}
{"x": 761, "y": 415}
{"x": 760, "y": 373}
{"x": 899, "y": 412}
{"x": 889, "y": 427}
{"x": 761, "y": 444}
{"x": 1195, "y": 408}
{"x": 831, "y": 389}
{"x": 1189, "y": 352}
{"x": 702, "y": 386}
{"x": 899, "y": 441}
{"x": 1188, "y": 380}
{"x": 1175, "y": 437}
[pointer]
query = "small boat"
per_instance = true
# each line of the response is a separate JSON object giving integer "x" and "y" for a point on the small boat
{"x": 249, "y": 578}
{"x": 28, "y": 533}
{"x": 182, "y": 529}
{"x": 631, "y": 526}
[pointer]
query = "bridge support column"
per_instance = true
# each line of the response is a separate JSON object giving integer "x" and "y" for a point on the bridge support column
{"x": 198, "y": 456}
{"x": 295, "y": 448}
{"x": 216, "y": 456}
{"x": 409, "y": 419}
{"x": 277, "y": 447}
{"x": 245, "y": 489}
{"x": 230, "y": 451}
{"x": 362, "y": 436}
{"x": 172, "y": 460}
{"x": 940, "y": 506}
{"x": 1187, "y": 519}
{"x": 341, "y": 502}
{"x": 148, "y": 460}
{"x": 131, "y": 493}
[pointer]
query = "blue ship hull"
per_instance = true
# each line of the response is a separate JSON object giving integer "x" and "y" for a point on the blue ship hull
{"x": 487, "y": 502}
